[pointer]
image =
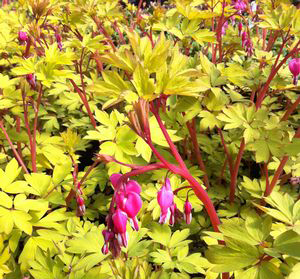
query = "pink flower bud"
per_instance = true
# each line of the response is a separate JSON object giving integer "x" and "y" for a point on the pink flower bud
{"x": 187, "y": 212}
{"x": 294, "y": 66}
{"x": 80, "y": 206}
{"x": 22, "y": 36}
{"x": 31, "y": 80}
{"x": 244, "y": 38}
{"x": 240, "y": 28}
{"x": 58, "y": 40}
{"x": 120, "y": 220}
{"x": 165, "y": 198}
{"x": 108, "y": 236}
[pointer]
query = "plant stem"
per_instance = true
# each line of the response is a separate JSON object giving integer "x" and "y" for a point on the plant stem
{"x": 26, "y": 121}
{"x": 229, "y": 158}
{"x": 199, "y": 191}
{"x": 203, "y": 196}
{"x": 170, "y": 166}
{"x": 267, "y": 178}
{"x": 85, "y": 102}
{"x": 181, "y": 188}
{"x": 192, "y": 131}
{"x": 184, "y": 173}
{"x": 91, "y": 167}
{"x": 139, "y": 10}
{"x": 274, "y": 71}
{"x": 236, "y": 170}
{"x": 280, "y": 169}
{"x": 290, "y": 110}
{"x": 169, "y": 140}
{"x": 17, "y": 156}
{"x": 18, "y": 129}
{"x": 33, "y": 151}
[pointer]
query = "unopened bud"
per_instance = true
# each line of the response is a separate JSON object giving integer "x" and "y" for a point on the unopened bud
{"x": 22, "y": 36}
{"x": 139, "y": 119}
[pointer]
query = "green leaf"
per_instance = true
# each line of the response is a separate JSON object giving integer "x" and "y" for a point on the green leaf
{"x": 160, "y": 233}
{"x": 209, "y": 120}
{"x": 259, "y": 228}
{"x": 261, "y": 148}
{"x": 21, "y": 220}
{"x": 227, "y": 259}
{"x": 251, "y": 273}
{"x": 6, "y": 221}
{"x": 295, "y": 272}
{"x": 269, "y": 270}
{"x": 161, "y": 257}
{"x": 293, "y": 148}
{"x": 89, "y": 243}
{"x": 178, "y": 237}
{"x": 235, "y": 228}
{"x": 14, "y": 239}
{"x": 288, "y": 243}
{"x": 61, "y": 170}
{"x": 157, "y": 135}
{"x": 143, "y": 149}
{"x": 143, "y": 84}
{"x": 39, "y": 182}
{"x": 30, "y": 248}
{"x": 5, "y": 200}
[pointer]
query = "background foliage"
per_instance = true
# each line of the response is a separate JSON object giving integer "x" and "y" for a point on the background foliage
{"x": 233, "y": 116}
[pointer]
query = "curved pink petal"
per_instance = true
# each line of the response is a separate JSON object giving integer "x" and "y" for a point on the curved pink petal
{"x": 133, "y": 186}
{"x": 120, "y": 220}
{"x": 133, "y": 204}
{"x": 114, "y": 179}
{"x": 165, "y": 198}
{"x": 294, "y": 66}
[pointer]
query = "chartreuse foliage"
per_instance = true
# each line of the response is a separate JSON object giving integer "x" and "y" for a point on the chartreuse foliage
{"x": 90, "y": 61}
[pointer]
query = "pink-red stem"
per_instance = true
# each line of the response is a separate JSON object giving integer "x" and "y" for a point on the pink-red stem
{"x": 236, "y": 170}
{"x": 192, "y": 131}
{"x": 16, "y": 154}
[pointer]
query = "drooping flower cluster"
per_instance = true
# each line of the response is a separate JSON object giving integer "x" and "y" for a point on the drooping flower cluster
{"x": 58, "y": 40}
{"x": 169, "y": 210}
{"x": 126, "y": 204}
{"x": 239, "y": 5}
{"x": 294, "y": 66}
{"x": 247, "y": 43}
